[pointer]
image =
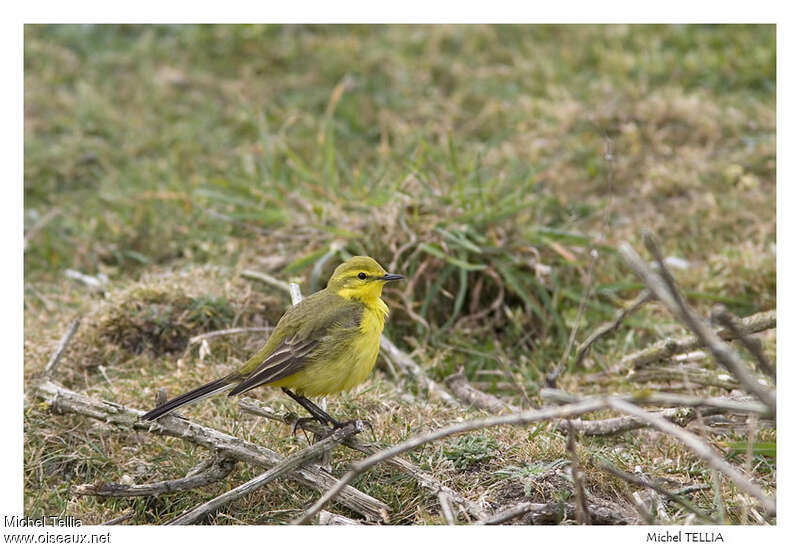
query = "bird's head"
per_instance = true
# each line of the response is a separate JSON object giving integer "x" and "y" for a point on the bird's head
{"x": 360, "y": 278}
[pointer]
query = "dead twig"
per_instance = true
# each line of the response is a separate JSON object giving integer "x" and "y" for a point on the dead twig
{"x": 63, "y": 400}
{"x": 522, "y": 418}
{"x": 228, "y": 331}
{"x": 686, "y": 374}
{"x": 94, "y": 283}
{"x": 287, "y": 465}
{"x": 471, "y": 396}
{"x": 697, "y": 445}
{"x": 120, "y": 519}
{"x": 554, "y": 513}
{"x": 213, "y": 470}
{"x": 700, "y": 448}
{"x": 581, "y": 511}
{"x": 608, "y": 327}
{"x": 424, "y": 479}
{"x": 38, "y": 226}
{"x": 447, "y": 509}
{"x": 615, "y": 425}
{"x": 748, "y": 406}
{"x": 267, "y": 279}
{"x": 664, "y": 349}
{"x": 672, "y": 496}
{"x": 50, "y": 368}
{"x": 664, "y": 287}
{"x": 552, "y": 377}
{"x": 332, "y": 519}
{"x": 413, "y": 370}
{"x": 734, "y": 325}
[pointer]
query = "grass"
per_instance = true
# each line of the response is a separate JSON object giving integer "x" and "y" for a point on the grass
{"x": 483, "y": 162}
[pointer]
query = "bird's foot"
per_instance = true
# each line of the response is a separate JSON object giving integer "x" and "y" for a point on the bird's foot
{"x": 359, "y": 423}
{"x": 305, "y": 423}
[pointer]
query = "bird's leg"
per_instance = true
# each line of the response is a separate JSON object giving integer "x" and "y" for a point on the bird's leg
{"x": 316, "y": 412}
{"x": 319, "y": 414}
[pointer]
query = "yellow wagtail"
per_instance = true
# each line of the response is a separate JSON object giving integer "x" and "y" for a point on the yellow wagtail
{"x": 325, "y": 344}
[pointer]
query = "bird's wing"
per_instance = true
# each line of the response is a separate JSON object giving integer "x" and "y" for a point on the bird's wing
{"x": 315, "y": 325}
{"x": 287, "y": 359}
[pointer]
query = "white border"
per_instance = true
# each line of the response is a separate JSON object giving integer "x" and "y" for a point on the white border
{"x": 414, "y": 11}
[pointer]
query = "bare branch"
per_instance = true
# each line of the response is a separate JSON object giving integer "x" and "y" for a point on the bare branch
{"x": 612, "y": 325}
{"x": 332, "y": 519}
{"x": 702, "y": 449}
{"x": 286, "y": 466}
{"x": 615, "y": 425}
{"x": 522, "y": 418}
{"x": 120, "y": 519}
{"x": 633, "y": 479}
{"x": 748, "y": 406}
{"x": 669, "y": 347}
{"x": 550, "y": 379}
{"x": 413, "y": 370}
{"x": 50, "y": 368}
{"x": 38, "y": 226}
{"x": 267, "y": 279}
{"x": 423, "y": 478}
{"x": 63, "y": 400}
{"x": 447, "y": 509}
{"x": 734, "y": 325}
{"x": 471, "y": 396}
{"x": 94, "y": 283}
{"x": 554, "y": 513}
{"x": 228, "y": 331}
{"x": 664, "y": 287}
{"x": 581, "y": 511}
{"x": 294, "y": 293}
{"x": 215, "y": 470}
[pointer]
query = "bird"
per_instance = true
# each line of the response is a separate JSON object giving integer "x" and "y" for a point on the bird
{"x": 325, "y": 344}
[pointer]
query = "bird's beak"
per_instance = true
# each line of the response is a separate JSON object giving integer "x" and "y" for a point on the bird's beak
{"x": 390, "y": 276}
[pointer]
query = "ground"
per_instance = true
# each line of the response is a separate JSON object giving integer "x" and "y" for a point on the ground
{"x": 484, "y": 163}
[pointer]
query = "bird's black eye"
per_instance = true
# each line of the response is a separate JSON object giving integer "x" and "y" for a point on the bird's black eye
{"x": 362, "y": 276}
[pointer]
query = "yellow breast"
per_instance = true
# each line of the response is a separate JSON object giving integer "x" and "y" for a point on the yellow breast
{"x": 349, "y": 368}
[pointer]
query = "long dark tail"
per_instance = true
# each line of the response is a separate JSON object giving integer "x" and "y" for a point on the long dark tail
{"x": 204, "y": 391}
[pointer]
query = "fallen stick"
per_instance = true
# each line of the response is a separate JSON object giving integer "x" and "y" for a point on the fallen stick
{"x": 666, "y": 290}
{"x": 94, "y": 283}
{"x": 332, "y": 519}
{"x": 701, "y": 448}
{"x": 581, "y": 510}
{"x": 612, "y": 325}
{"x": 213, "y": 471}
{"x": 228, "y": 331}
{"x": 424, "y": 479}
{"x": 50, "y": 368}
{"x": 522, "y": 418}
{"x": 447, "y": 509}
{"x": 615, "y": 425}
{"x": 63, "y": 400}
{"x": 677, "y": 498}
{"x": 664, "y": 349}
{"x": 286, "y": 466}
{"x": 697, "y": 445}
{"x": 471, "y": 396}
{"x": 748, "y": 406}
{"x": 735, "y": 326}
{"x": 413, "y": 370}
{"x": 554, "y": 513}
{"x": 267, "y": 279}
{"x": 38, "y": 226}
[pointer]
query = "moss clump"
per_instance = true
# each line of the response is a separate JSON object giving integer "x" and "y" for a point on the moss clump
{"x": 159, "y": 322}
